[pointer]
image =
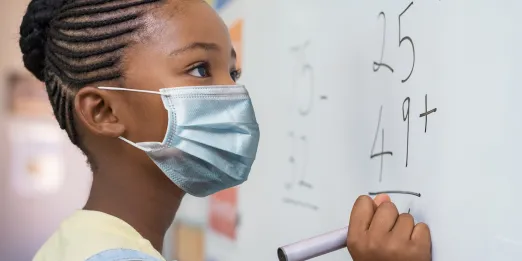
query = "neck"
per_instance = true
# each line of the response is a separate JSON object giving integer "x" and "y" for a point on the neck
{"x": 146, "y": 201}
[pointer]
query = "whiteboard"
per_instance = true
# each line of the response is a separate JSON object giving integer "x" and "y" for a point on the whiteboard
{"x": 436, "y": 83}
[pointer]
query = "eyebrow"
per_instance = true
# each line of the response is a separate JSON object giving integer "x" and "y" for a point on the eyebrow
{"x": 200, "y": 45}
{"x": 196, "y": 45}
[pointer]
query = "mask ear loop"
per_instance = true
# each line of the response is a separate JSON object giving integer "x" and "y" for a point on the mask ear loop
{"x": 135, "y": 145}
{"x": 131, "y": 90}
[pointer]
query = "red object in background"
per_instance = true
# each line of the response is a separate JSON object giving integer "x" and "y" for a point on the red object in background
{"x": 223, "y": 213}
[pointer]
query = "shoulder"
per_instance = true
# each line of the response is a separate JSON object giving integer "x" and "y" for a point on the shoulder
{"x": 102, "y": 248}
{"x": 97, "y": 248}
{"x": 122, "y": 254}
{"x": 96, "y": 237}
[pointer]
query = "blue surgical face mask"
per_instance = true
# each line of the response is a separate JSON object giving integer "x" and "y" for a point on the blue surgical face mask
{"x": 211, "y": 140}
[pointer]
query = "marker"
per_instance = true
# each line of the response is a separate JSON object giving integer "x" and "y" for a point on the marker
{"x": 314, "y": 247}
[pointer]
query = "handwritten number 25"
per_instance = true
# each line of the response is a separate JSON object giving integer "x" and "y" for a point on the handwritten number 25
{"x": 402, "y": 39}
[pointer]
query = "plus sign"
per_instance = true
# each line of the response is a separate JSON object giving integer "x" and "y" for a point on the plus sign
{"x": 426, "y": 113}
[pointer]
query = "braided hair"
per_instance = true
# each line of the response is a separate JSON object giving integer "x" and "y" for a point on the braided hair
{"x": 69, "y": 44}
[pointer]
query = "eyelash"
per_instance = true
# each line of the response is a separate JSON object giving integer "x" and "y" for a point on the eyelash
{"x": 235, "y": 74}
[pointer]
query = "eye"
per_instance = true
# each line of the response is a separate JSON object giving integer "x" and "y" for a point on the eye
{"x": 235, "y": 74}
{"x": 200, "y": 70}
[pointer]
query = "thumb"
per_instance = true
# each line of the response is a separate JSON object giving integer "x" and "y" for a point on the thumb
{"x": 381, "y": 198}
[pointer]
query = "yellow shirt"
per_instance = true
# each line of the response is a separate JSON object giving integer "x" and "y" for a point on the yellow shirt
{"x": 87, "y": 233}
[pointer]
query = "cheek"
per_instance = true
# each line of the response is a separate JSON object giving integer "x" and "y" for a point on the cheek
{"x": 150, "y": 119}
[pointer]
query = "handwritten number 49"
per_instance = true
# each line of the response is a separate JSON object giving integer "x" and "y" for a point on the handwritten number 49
{"x": 377, "y": 65}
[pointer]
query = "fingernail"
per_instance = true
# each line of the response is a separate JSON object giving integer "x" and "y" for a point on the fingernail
{"x": 381, "y": 198}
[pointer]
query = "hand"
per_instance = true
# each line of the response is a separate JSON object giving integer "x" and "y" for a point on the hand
{"x": 378, "y": 233}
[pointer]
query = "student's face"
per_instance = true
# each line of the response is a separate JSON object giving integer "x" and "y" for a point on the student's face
{"x": 184, "y": 43}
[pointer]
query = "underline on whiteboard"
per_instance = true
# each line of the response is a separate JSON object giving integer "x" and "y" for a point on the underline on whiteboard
{"x": 300, "y": 203}
{"x": 395, "y": 192}
{"x": 381, "y": 153}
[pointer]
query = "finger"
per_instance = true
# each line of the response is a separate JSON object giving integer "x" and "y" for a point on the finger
{"x": 381, "y": 198}
{"x": 361, "y": 217}
{"x": 403, "y": 228}
{"x": 384, "y": 218}
{"x": 421, "y": 235}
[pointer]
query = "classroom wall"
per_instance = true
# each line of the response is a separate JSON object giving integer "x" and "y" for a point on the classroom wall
{"x": 26, "y": 222}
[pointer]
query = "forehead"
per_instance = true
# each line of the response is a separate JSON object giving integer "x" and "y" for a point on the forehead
{"x": 181, "y": 22}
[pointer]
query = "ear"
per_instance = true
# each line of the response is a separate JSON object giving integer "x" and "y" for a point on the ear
{"x": 94, "y": 111}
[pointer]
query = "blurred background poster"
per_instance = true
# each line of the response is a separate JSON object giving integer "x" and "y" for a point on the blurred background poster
{"x": 223, "y": 224}
{"x": 236, "y": 36}
{"x": 223, "y": 213}
{"x": 26, "y": 97}
{"x": 36, "y": 164}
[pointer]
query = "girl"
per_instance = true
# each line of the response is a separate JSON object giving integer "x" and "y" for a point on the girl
{"x": 113, "y": 70}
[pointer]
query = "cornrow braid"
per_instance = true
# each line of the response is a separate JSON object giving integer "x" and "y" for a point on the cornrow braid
{"x": 72, "y": 43}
